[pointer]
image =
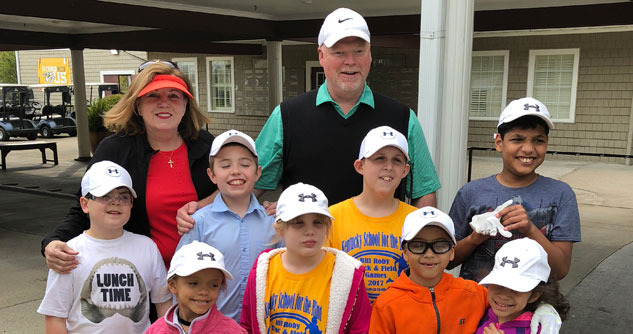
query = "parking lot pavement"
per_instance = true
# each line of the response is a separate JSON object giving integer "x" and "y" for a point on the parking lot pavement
{"x": 35, "y": 198}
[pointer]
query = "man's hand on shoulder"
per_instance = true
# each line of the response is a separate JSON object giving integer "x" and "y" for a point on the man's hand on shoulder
{"x": 184, "y": 220}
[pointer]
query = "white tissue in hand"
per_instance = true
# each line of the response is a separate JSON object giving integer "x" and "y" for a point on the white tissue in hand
{"x": 488, "y": 224}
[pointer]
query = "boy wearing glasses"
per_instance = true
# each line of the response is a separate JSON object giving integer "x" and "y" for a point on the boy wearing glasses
{"x": 119, "y": 272}
{"x": 425, "y": 299}
{"x": 367, "y": 226}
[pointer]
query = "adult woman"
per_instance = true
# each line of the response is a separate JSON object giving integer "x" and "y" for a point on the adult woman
{"x": 158, "y": 139}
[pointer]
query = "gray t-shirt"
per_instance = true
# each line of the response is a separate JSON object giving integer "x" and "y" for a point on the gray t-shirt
{"x": 550, "y": 204}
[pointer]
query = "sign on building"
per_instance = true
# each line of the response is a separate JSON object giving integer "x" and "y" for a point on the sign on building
{"x": 53, "y": 71}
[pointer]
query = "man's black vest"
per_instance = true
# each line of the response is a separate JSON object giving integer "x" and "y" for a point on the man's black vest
{"x": 320, "y": 146}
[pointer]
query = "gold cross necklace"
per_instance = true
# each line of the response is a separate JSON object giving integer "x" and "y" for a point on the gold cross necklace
{"x": 170, "y": 162}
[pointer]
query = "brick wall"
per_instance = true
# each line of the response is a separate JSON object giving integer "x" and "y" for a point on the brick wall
{"x": 604, "y": 94}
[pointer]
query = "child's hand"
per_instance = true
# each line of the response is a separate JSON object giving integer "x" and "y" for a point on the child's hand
{"x": 488, "y": 223}
{"x": 515, "y": 217}
{"x": 492, "y": 329}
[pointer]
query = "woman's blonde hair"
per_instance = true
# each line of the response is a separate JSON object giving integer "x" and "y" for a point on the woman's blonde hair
{"x": 124, "y": 117}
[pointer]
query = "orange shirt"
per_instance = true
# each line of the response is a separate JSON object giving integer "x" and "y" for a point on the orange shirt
{"x": 407, "y": 307}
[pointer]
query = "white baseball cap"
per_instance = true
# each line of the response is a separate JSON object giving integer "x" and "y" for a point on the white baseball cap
{"x": 380, "y": 137}
{"x": 232, "y": 136}
{"x": 299, "y": 199}
{"x": 520, "y": 265}
{"x": 103, "y": 176}
{"x": 196, "y": 256}
{"x": 427, "y": 216}
{"x": 342, "y": 23}
{"x": 526, "y": 106}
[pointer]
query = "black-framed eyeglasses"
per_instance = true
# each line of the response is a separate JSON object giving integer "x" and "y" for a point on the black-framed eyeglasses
{"x": 420, "y": 247}
{"x": 123, "y": 199}
{"x": 157, "y": 61}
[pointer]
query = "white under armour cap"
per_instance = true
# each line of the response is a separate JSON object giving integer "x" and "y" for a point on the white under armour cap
{"x": 427, "y": 216}
{"x": 526, "y": 106}
{"x": 342, "y": 23}
{"x": 520, "y": 265}
{"x": 299, "y": 199}
{"x": 196, "y": 256}
{"x": 232, "y": 136}
{"x": 103, "y": 176}
{"x": 380, "y": 137}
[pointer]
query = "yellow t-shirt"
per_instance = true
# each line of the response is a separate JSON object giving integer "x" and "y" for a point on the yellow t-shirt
{"x": 374, "y": 241}
{"x": 298, "y": 303}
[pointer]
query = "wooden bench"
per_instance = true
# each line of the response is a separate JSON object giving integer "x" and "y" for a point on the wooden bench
{"x": 5, "y": 148}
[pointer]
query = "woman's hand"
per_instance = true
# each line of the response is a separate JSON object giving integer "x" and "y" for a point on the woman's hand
{"x": 183, "y": 217}
{"x": 60, "y": 257}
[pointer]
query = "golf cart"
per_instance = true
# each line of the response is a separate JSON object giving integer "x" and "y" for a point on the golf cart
{"x": 56, "y": 119}
{"x": 13, "y": 115}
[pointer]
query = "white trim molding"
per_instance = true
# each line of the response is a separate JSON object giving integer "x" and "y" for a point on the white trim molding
{"x": 573, "y": 84}
{"x": 208, "y": 60}
{"x": 504, "y": 87}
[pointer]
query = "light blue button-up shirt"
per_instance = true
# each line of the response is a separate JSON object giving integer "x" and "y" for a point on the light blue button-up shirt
{"x": 239, "y": 239}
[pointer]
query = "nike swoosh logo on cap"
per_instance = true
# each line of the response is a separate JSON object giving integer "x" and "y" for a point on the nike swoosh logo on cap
{"x": 343, "y": 20}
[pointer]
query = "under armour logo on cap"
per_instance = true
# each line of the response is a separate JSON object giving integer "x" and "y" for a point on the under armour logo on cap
{"x": 112, "y": 171}
{"x": 201, "y": 256}
{"x": 514, "y": 263}
{"x": 527, "y": 106}
{"x": 429, "y": 214}
{"x": 302, "y": 197}
{"x": 388, "y": 135}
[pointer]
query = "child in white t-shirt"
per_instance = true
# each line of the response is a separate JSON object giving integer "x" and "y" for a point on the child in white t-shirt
{"x": 119, "y": 272}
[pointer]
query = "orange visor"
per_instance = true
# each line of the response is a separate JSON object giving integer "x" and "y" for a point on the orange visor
{"x": 165, "y": 81}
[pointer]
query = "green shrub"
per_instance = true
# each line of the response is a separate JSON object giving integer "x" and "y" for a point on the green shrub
{"x": 98, "y": 108}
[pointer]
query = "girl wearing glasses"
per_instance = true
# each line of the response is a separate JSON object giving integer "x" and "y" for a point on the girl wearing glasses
{"x": 159, "y": 140}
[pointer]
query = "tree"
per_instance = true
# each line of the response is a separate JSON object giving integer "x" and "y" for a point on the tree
{"x": 8, "y": 72}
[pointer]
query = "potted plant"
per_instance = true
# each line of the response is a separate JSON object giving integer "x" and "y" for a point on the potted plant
{"x": 95, "y": 119}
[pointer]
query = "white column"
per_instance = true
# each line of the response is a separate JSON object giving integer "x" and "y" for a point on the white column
{"x": 432, "y": 36}
{"x": 629, "y": 139}
{"x": 453, "y": 118}
{"x": 79, "y": 88}
{"x": 275, "y": 75}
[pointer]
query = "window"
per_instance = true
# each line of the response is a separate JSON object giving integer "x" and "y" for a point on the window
{"x": 552, "y": 79}
{"x": 220, "y": 88}
{"x": 122, "y": 77}
{"x": 315, "y": 76}
{"x": 488, "y": 84}
{"x": 189, "y": 67}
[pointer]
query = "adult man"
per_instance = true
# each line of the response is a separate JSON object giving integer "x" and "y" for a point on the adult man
{"x": 314, "y": 138}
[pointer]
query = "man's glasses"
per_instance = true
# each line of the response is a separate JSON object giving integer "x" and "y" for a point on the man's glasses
{"x": 420, "y": 247}
{"x": 157, "y": 61}
{"x": 124, "y": 199}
